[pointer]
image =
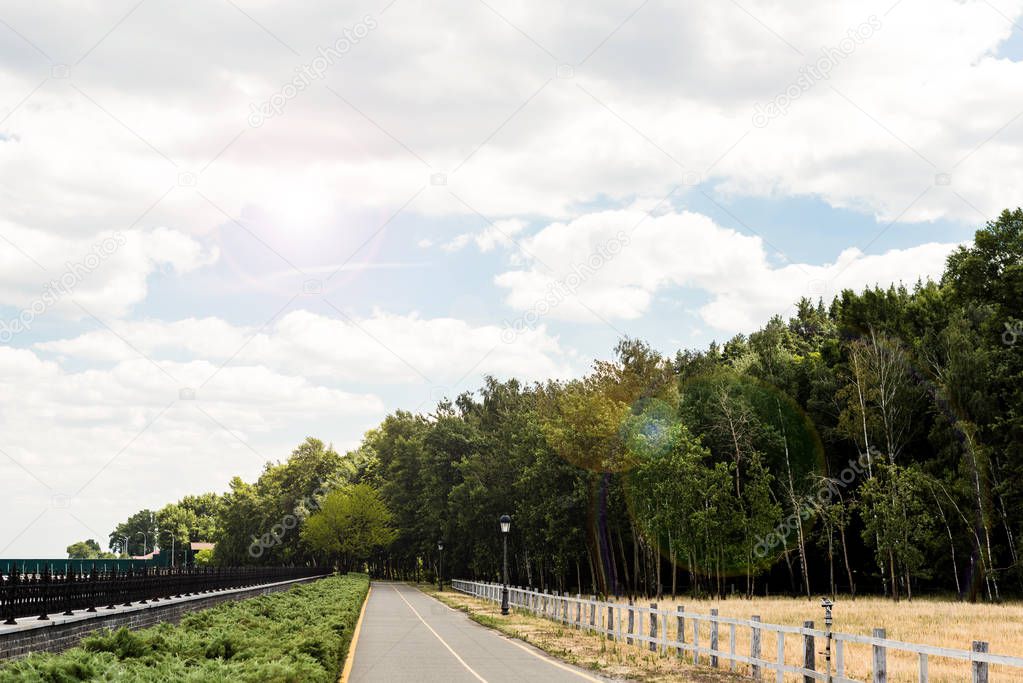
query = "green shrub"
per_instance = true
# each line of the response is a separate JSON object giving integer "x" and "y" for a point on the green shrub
{"x": 298, "y": 636}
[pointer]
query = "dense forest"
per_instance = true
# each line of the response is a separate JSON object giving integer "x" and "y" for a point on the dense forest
{"x": 871, "y": 444}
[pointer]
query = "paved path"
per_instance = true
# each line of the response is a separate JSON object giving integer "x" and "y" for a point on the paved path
{"x": 408, "y": 636}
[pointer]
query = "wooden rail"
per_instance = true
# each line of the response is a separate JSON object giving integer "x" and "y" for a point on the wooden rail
{"x": 648, "y": 627}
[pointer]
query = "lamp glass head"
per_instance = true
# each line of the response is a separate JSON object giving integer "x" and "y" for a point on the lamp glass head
{"x": 505, "y": 524}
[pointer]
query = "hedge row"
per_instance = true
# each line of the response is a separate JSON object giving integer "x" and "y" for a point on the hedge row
{"x": 298, "y": 635}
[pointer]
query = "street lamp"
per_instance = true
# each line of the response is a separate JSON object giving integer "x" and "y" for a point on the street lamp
{"x": 173, "y": 540}
{"x": 440, "y": 570}
{"x": 505, "y": 528}
{"x": 124, "y": 546}
{"x": 827, "y": 605}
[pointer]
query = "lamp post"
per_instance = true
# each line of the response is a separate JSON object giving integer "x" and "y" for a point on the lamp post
{"x": 827, "y": 605}
{"x": 505, "y": 528}
{"x": 124, "y": 547}
{"x": 173, "y": 540}
{"x": 440, "y": 570}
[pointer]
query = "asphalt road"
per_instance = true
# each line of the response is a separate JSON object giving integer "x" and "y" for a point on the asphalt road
{"x": 408, "y": 636}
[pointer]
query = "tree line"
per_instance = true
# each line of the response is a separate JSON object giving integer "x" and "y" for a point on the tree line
{"x": 868, "y": 445}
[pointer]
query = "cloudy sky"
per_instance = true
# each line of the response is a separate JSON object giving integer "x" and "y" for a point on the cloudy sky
{"x": 229, "y": 224}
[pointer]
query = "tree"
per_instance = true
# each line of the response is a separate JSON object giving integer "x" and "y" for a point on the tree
{"x": 883, "y": 428}
{"x": 204, "y": 558}
{"x": 898, "y": 521}
{"x": 140, "y": 530}
{"x": 87, "y": 550}
{"x": 350, "y": 526}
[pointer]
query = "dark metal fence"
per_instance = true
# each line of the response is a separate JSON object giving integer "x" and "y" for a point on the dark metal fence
{"x": 30, "y": 594}
{"x": 66, "y": 566}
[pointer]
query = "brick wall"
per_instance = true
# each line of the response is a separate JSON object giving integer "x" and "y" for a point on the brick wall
{"x": 65, "y": 632}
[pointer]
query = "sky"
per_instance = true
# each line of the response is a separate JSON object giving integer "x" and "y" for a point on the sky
{"x": 231, "y": 224}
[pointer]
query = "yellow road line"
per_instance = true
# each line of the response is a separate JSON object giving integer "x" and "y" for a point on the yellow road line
{"x": 442, "y": 641}
{"x": 347, "y": 671}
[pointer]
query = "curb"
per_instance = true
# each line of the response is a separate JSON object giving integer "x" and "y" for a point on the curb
{"x": 350, "y": 657}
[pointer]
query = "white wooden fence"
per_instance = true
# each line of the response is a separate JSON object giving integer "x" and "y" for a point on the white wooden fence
{"x": 625, "y": 622}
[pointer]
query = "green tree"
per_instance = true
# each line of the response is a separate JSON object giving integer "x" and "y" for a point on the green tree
{"x": 140, "y": 530}
{"x": 898, "y": 521}
{"x": 204, "y": 558}
{"x": 88, "y": 549}
{"x": 350, "y": 526}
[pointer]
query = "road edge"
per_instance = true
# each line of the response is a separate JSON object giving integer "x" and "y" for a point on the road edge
{"x": 524, "y": 644}
{"x": 346, "y": 671}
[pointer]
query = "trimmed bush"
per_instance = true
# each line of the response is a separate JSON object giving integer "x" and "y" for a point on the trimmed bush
{"x": 299, "y": 636}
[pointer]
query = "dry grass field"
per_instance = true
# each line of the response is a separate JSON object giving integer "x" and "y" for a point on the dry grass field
{"x": 932, "y": 622}
{"x": 941, "y": 623}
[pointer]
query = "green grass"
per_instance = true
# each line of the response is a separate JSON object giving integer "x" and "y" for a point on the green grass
{"x": 301, "y": 635}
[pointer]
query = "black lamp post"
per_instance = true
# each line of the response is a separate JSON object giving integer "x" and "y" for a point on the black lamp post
{"x": 505, "y": 528}
{"x": 440, "y": 570}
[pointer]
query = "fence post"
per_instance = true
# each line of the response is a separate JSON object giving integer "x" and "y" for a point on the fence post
{"x": 578, "y": 611}
{"x": 780, "y": 657}
{"x": 979, "y": 668}
{"x": 880, "y": 662}
{"x": 754, "y": 647}
{"x": 664, "y": 635}
{"x": 808, "y": 653}
{"x": 714, "y": 638}
{"x": 731, "y": 647}
{"x": 632, "y": 623}
{"x": 653, "y": 627}
{"x": 593, "y": 611}
{"x": 681, "y": 619}
{"x": 610, "y": 622}
{"x": 696, "y": 641}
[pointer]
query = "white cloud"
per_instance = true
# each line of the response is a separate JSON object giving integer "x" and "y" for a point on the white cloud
{"x": 612, "y": 263}
{"x": 676, "y": 83}
{"x": 458, "y": 242}
{"x": 106, "y": 272}
{"x": 497, "y": 234}
{"x": 86, "y": 448}
{"x": 381, "y": 348}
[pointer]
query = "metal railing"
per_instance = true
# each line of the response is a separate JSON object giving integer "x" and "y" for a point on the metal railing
{"x": 44, "y": 594}
{"x": 626, "y": 623}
